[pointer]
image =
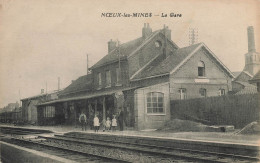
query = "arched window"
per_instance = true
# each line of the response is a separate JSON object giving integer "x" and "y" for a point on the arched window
{"x": 154, "y": 102}
{"x": 201, "y": 69}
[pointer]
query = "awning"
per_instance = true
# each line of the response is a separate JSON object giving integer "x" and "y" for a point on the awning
{"x": 104, "y": 93}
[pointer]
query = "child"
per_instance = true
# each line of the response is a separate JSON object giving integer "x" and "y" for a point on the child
{"x": 108, "y": 124}
{"x": 96, "y": 123}
{"x": 114, "y": 123}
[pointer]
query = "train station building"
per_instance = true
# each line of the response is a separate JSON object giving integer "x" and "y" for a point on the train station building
{"x": 140, "y": 78}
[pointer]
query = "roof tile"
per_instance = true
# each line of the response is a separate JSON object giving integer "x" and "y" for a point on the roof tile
{"x": 83, "y": 83}
{"x": 159, "y": 66}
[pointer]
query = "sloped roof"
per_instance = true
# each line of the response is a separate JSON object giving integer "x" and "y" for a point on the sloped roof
{"x": 248, "y": 89}
{"x": 83, "y": 83}
{"x": 241, "y": 73}
{"x": 256, "y": 77}
{"x": 167, "y": 64}
{"x": 236, "y": 73}
{"x": 174, "y": 61}
{"x": 127, "y": 49}
{"x": 245, "y": 84}
{"x": 88, "y": 96}
{"x": 40, "y": 95}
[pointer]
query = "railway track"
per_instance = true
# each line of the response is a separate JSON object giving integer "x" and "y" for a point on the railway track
{"x": 40, "y": 144}
{"x": 64, "y": 152}
{"x": 81, "y": 147}
{"x": 165, "y": 153}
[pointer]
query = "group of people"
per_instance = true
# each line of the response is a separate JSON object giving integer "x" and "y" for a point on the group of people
{"x": 106, "y": 124}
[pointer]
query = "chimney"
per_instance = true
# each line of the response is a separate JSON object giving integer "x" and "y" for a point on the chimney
{"x": 146, "y": 31}
{"x": 111, "y": 45}
{"x": 251, "y": 39}
{"x": 167, "y": 32}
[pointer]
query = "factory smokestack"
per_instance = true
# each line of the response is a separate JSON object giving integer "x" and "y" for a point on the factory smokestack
{"x": 251, "y": 39}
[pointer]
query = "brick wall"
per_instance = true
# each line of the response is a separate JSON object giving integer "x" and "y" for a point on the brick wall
{"x": 148, "y": 52}
{"x": 143, "y": 120}
{"x": 112, "y": 68}
{"x": 187, "y": 77}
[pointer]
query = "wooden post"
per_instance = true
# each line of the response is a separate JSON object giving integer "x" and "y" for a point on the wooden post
{"x": 96, "y": 106}
{"x": 104, "y": 108}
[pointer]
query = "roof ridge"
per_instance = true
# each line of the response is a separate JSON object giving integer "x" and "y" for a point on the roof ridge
{"x": 141, "y": 69}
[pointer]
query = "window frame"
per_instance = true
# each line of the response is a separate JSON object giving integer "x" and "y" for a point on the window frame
{"x": 157, "y": 103}
{"x": 183, "y": 91}
{"x": 205, "y": 92}
{"x": 108, "y": 78}
{"x": 201, "y": 69}
{"x": 99, "y": 80}
{"x": 118, "y": 77}
{"x": 220, "y": 92}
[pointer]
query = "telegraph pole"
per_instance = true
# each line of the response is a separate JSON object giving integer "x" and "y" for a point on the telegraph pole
{"x": 87, "y": 64}
{"x": 19, "y": 98}
{"x": 193, "y": 36}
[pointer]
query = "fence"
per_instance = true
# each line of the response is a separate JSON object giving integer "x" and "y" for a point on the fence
{"x": 237, "y": 110}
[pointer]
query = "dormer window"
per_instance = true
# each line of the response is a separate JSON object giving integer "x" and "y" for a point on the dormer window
{"x": 201, "y": 69}
{"x": 158, "y": 44}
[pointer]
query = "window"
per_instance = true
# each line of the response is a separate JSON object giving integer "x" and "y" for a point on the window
{"x": 154, "y": 102}
{"x": 158, "y": 44}
{"x": 49, "y": 111}
{"x": 203, "y": 92}
{"x": 201, "y": 69}
{"x": 118, "y": 76}
{"x": 99, "y": 80}
{"x": 183, "y": 94}
{"x": 221, "y": 92}
{"x": 108, "y": 79}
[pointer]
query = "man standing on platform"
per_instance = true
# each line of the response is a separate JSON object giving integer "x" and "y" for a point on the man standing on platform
{"x": 83, "y": 121}
{"x": 121, "y": 119}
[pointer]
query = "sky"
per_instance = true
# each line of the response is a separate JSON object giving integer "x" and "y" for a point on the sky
{"x": 46, "y": 39}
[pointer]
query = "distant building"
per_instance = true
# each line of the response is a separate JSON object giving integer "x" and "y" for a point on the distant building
{"x": 30, "y": 113}
{"x": 252, "y": 66}
{"x": 140, "y": 77}
{"x": 10, "y": 107}
{"x": 256, "y": 80}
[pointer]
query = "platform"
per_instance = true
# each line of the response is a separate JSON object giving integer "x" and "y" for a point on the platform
{"x": 220, "y": 137}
